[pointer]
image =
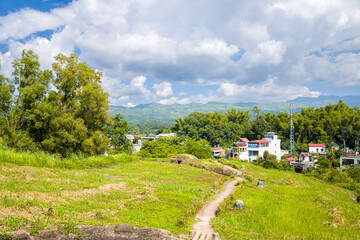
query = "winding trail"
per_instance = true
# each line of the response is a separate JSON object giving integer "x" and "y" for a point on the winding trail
{"x": 202, "y": 229}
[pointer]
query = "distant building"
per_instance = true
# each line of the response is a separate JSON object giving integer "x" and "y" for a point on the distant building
{"x": 289, "y": 160}
{"x": 317, "y": 148}
{"x": 349, "y": 159}
{"x": 304, "y": 161}
{"x": 167, "y": 135}
{"x": 243, "y": 149}
{"x": 239, "y": 149}
{"x": 218, "y": 152}
{"x": 130, "y": 137}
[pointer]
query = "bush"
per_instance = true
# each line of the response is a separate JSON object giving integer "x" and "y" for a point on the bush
{"x": 167, "y": 147}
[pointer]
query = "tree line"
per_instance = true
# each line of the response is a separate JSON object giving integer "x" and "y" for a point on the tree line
{"x": 333, "y": 124}
{"x": 61, "y": 111}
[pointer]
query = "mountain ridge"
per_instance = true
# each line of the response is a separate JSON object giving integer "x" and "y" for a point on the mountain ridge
{"x": 166, "y": 114}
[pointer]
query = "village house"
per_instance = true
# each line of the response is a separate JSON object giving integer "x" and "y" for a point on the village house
{"x": 243, "y": 149}
{"x": 319, "y": 148}
{"x": 349, "y": 159}
{"x": 304, "y": 161}
{"x": 218, "y": 152}
{"x": 239, "y": 149}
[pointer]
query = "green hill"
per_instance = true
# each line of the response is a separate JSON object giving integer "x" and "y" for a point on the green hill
{"x": 165, "y": 114}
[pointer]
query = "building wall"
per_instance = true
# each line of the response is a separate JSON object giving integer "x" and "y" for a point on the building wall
{"x": 349, "y": 160}
{"x": 320, "y": 150}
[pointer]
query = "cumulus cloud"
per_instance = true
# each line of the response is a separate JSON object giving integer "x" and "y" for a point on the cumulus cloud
{"x": 239, "y": 46}
{"x": 269, "y": 91}
{"x": 174, "y": 100}
{"x": 20, "y": 24}
{"x": 129, "y": 105}
{"x": 269, "y": 52}
{"x": 163, "y": 89}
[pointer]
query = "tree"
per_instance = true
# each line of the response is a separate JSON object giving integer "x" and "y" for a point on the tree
{"x": 117, "y": 131}
{"x": 201, "y": 149}
{"x": 20, "y": 99}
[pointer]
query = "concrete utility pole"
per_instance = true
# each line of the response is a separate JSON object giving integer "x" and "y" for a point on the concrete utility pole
{"x": 292, "y": 144}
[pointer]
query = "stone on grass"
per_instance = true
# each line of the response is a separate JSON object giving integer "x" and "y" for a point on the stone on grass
{"x": 239, "y": 204}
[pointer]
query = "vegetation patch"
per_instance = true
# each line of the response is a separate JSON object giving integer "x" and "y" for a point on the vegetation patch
{"x": 140, "y": 193}
{"x": 300, "y": 209}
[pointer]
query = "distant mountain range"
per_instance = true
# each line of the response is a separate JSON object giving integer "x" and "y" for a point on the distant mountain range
{"x": 166, "y": 114}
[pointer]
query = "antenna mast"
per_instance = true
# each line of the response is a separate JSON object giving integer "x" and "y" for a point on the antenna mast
{"x": 292, "y": 144}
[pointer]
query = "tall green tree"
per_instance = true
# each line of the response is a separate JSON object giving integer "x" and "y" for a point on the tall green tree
{"x": 117, "y": 131}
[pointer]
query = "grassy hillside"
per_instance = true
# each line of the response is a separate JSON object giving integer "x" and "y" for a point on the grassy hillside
{"x": 165, "y": 114}
{"x": 140, "y": 193}
{"x": 290, "y": 206}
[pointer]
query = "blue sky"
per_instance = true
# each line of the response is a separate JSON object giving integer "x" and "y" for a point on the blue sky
{"x": 199, "y": 51}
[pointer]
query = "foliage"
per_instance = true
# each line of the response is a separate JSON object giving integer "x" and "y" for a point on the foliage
{"x": 287, "y": 199}
{"x": 67, "y": 118}
{"x": 117, "y": 131}
{"x": 269, "y": 161}
{"x": 166, "y": 147}
{"x": 216, "y": 128}
{"x": 201, "y": 149}
{"x": 332, "y": 124}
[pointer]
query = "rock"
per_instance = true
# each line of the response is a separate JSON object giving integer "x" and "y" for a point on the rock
{"x": 239, "y": 204}
{"x": 260, "y": 184}
{"x": 124, "y": 228}
{"x": 21, "y": 235}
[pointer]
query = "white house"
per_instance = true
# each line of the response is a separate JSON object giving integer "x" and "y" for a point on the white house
{"x": 317, "y": 148}
{"x": 244, "y": 149}
{"x": 240, "y": 149}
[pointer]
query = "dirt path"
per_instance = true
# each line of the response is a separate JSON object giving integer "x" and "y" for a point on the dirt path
{"x": 202, "y": 229}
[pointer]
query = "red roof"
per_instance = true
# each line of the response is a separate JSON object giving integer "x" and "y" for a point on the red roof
{"x": 317, "y": 145}
{"x": 305, "y": 153}
{"x": 260, "y": 141}
{"x": 240, "y": 144}
{"x": 351, "y": 155}
{"x": 289, "y": 159}
{"x": 244, "y": 140}
{"x": 217, "y": 149}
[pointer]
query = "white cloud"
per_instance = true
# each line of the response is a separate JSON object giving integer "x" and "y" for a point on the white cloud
{"x": 212, "y": 47}
{"x": 163, "y": 89}
{"x": 20, "y": 24}
{"x": 269, "y": 52}
{"x": 122, "y": 92}
{"x": 175, "y": 41}
{"x": 129, "y": 105}
{"x": 175, "y": 100}
{"x": 268, "y": 91}
{"x": 349, "y": 69}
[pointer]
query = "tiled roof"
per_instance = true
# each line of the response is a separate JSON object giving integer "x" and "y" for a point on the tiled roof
{"x": 240, "y": 144}
{"x": 289, "y": 159}
{"x": 217, "y": 149}
{"x": 260, "y": 141}
{"x": 244, "y": 140}
{"x": 317, "y": 145}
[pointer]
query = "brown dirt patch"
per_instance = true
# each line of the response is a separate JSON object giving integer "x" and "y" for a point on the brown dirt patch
{"x": 27, "y": 213}
{"x": 102, "y": 189}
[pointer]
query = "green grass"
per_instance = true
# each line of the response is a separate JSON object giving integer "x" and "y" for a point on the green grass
{"x": 140, "y": 193}
{"x": 290, "y": 206}
{"x": 42, "y": 159}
